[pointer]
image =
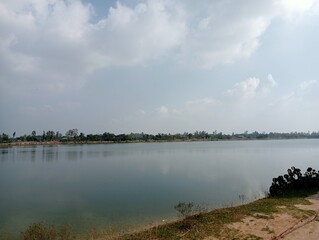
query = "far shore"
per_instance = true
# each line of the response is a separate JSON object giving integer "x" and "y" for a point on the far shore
{"x": 30, "y": 143}
{"x": 33, "y": 143}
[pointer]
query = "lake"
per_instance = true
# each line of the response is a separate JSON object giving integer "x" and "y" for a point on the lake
{"x": 124, "y": 186}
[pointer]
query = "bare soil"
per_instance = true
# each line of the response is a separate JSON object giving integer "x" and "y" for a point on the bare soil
{"x": 284, "y": 225}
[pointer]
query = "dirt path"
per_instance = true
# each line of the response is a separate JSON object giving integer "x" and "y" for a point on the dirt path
{"x": 281, "y": 226}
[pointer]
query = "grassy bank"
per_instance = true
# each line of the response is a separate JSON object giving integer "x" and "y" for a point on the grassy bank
{"x": 200, "y": 226}
{"x": 215, "y": 223}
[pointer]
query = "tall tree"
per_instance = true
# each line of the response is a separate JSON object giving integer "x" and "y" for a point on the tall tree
{"x": 34, "y": 135}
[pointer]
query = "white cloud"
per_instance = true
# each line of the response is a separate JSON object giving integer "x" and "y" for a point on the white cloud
{"x": 271, "y": 81}
{"x": 202, "y": 101}
{"x": 41, "y": 45}
{"x": 306, "y": 90}
{"x": 245, "y": 89}
{"x": 298, "y": 5}
{"x": 129, "y": 36}
{"x": 306, "y": 84}
{"x": 223, "y": 41}
{"x": 140, "y": 112}
{"x": 163, "y": 110}
{"x": 294, "y": 9}
{"x": 269, "y": 85}
{"x": 199, "y": 105}
{"x": 52, "y": 45}
{"x": 288, "y": 96}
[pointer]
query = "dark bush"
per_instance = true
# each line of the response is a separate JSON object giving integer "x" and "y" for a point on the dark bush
{"x": 294, "y": 181}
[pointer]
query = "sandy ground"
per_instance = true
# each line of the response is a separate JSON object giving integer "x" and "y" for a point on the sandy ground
{"x": 283, "y": 226}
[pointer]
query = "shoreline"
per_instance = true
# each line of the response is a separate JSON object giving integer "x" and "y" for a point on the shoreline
{"x": 29, "y": 143}
{"x": 46, "y": 143}
{"x": 266, "y": 218}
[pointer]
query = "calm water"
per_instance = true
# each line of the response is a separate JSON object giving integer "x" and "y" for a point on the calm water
{"x": 122, "y": 185}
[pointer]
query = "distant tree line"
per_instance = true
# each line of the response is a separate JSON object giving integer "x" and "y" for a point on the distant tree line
{"x": 73, "y": 135}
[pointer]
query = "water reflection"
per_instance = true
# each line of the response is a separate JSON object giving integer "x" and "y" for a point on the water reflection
{"x": 33, "y": 153}
{"x": 3, "y": 154}
{"x": 50, "y": 153}
{"x": 73, "y": 152}
{"x": 93, "y": 154}
{"x": 4, "y": 151}
{"x": 72, "y": 155}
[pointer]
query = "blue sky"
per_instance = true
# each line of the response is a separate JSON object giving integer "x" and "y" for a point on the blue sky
{"x": 159, "y": 66}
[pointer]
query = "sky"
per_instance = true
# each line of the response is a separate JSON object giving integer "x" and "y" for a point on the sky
{"x": 159, "y": 66}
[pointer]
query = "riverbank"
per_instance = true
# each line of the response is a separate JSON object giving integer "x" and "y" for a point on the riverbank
{"x": 26, "y": 143}
{"x": 32, "y": 143}
{"x": 294, "y": 217}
